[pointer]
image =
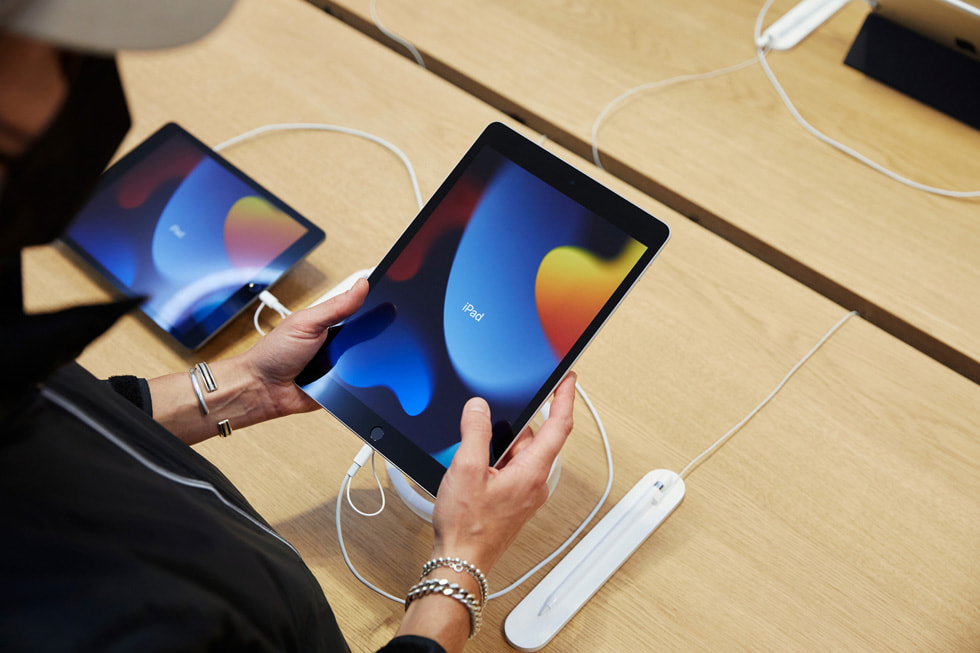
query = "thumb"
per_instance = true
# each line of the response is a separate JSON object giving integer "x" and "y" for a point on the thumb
{"x": 475, "y": 429}
{"x": 317, "y": 319}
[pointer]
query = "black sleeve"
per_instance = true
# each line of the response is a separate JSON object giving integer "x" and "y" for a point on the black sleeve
{"x": 134, "y": 389}
{"x": 412, "y": 644}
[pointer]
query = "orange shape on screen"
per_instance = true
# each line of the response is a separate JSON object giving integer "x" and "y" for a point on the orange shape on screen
{"x": 256, "y": 232}
{"x": 572, "y": 286}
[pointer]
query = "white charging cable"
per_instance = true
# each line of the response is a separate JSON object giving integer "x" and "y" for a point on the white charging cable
{"x": 362, "y": 455}
{"x": 707, "y": 453}
{"x": 393, "y": 36}
{"x": 362, "y": 458}
{"x": 649, "y": 86}
{"x": 761, "y": 42}
{"x": 314, "y": 126}
{"x": 761, "y": 51}
{"x": 266, "y": 298}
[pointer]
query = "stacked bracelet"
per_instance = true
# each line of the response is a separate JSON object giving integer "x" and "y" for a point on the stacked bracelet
{"x": 459, "y": 566}
{"x": 204, "y": 371}
{"x": 452, "y": 590}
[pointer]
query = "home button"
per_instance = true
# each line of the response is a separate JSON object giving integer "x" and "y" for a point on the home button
{"x": 377, "y": 433}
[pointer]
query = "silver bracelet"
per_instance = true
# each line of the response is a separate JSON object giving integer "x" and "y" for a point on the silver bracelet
{"x": 197, "y": 390}
{"x": 459, "y": 566}
{"x": 452, "y": 590}
{"x": 205, "y": 372}
{"x": 202, "y": 369}
{"x": 224, "y": 428}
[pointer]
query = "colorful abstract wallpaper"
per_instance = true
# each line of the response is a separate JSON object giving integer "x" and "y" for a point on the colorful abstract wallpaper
{"x": 180, "y": 229}
{"x": 486, "y": 299}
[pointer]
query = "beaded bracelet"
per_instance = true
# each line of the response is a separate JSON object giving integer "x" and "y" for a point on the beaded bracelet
{"x": 452, "y": 590}
{"x": 459, "y": 566}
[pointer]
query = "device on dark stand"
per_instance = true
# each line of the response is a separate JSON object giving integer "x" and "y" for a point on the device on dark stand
{"x": 929, "y": 52}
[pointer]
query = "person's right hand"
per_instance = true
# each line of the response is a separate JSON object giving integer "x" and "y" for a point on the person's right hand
{"x": 479, "y": 509}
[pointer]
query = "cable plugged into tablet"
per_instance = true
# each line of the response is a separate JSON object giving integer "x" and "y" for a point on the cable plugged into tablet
{"x": 266, "y": 298}
{"x": 366, "y": 453}
{"x": 362, "y": 457}
{"x": 270, "y": 300}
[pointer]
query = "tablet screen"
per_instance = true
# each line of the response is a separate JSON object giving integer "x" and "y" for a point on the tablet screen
{"x": 493, "y": 291}
{"x": 176, "y": 223}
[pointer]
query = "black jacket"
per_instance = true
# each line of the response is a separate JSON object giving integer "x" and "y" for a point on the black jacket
{"x": 101, "y": 553}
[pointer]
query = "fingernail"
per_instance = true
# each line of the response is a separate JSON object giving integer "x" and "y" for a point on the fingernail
{"x": 479, "y": 405}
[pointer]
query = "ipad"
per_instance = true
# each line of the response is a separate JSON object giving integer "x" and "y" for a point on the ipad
{"x": 494, "y": 290}
{"x": 174, "y": 222}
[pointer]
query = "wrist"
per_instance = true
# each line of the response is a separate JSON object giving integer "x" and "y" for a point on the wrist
{"x": 476, "y": 555}
{"x": 463, "y": 603}
{"x": 459, "y": 571}
{"x": 237, "y": 399}
{"x": 447, "y": 603}
{"x": 240, "y": 397}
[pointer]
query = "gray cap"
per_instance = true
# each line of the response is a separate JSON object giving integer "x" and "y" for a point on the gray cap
{"x": 109, "y": 25}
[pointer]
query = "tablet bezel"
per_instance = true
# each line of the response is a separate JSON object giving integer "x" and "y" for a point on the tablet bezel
{"x": 396, "y": 447}
{"x": 944, "y": 21}
{"x": 207, "y": 327}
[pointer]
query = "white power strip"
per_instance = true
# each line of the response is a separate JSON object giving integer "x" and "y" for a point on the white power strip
{"x": 798, "y": 23}
{"x": 580, "y": 574}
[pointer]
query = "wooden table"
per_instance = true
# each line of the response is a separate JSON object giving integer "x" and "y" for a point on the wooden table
{"x": 844, "y": 516}
{"x": 726, "y": 152}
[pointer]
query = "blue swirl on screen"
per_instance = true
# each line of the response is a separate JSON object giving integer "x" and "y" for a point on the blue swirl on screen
{"x": 492, "y": 329}
{"x": 445, "y": 457}
{"x": 207, "y": 190}
{"x": 372, "y": 353}
{"x": 181, "y": 236}
{"x": 112, "y": 247}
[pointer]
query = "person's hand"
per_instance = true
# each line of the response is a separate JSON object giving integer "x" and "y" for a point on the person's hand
{"x": 257, "y": 385}
{"x": 479, "y": 510}
{"x": 277, "y": 358}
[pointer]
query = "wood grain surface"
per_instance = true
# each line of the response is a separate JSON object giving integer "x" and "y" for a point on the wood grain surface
{"x": 726, "y": 152}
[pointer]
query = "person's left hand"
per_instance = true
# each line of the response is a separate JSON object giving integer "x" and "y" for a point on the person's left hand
{"x": 278, "y": 357}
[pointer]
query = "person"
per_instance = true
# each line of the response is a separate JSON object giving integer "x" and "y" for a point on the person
{"x": 110, "y": 539}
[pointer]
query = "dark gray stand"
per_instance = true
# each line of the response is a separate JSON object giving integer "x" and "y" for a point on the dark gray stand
{"x": 919, "y": 67}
